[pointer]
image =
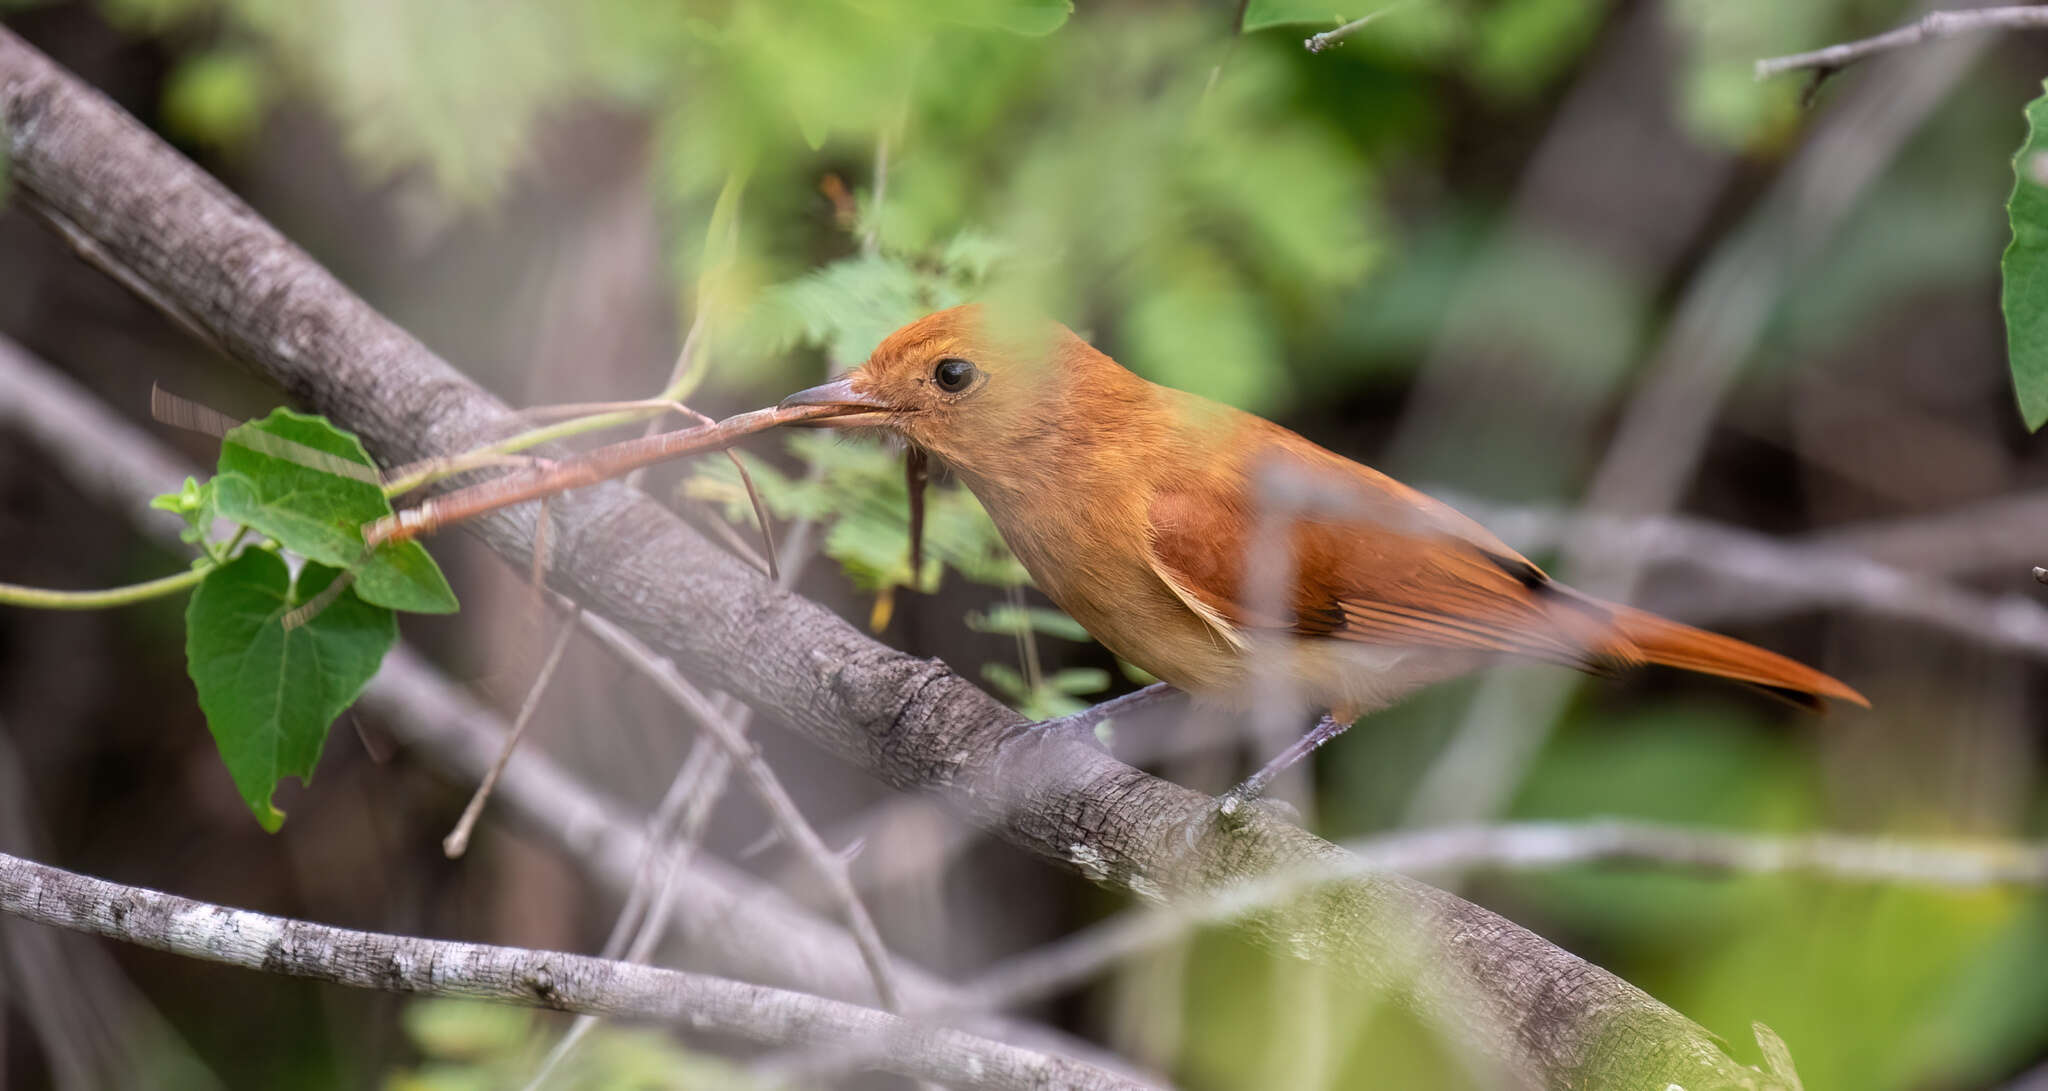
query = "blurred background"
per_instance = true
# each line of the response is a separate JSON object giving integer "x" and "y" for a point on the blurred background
{"x": 1542, "y": 257}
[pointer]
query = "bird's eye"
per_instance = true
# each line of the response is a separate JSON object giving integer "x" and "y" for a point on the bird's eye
{"x": 953, "y": 374}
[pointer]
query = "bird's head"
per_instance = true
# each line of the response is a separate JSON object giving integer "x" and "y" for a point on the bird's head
{"x": 964, "y": 384}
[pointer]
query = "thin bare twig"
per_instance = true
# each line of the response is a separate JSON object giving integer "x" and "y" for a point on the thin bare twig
{"x": 642, "y": 921}
{"x": 1933, "y": 26}
{"x": 457, "y": 841}
{"x": 695, "y": 790}
{"x": 782, "y": 809}
{"x": 515, "y": 975}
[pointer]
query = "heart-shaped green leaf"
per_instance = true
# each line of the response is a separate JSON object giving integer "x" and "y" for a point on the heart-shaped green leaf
{"x": 269, "y": 693}
{"x": 311, "y": 486}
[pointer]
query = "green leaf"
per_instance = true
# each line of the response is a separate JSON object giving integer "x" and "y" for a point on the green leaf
{"x": 2025, "y": 270}
{"x": 311, "y": 486}
{"x": 1050, "y": 699}
{"x": 1018, "y": 620}
{"x": 270, "y": 694}
{"x": 1033, "y": 18}
{"x": 846, "y": 307}
{"x": 1777, "y": 1055}
{"x": 1261, "y": 14}
{"x": 195, "y": 503}
{"x": 1078, "y": 681}
{"x": 1008, "y": 681}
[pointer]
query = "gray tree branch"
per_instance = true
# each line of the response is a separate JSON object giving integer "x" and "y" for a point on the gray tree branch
{"x": 1933, "y": 26}
{"x": 1550, "y": 1017}
{"x": 542, "y": 979}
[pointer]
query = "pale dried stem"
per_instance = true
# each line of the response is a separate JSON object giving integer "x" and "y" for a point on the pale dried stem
{"x": 457, "y": 841}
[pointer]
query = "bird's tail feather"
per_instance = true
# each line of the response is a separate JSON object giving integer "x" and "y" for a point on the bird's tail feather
{"x": 1645, "y": 637}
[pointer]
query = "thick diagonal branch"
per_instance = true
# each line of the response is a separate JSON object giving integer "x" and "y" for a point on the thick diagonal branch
{"x": 1551, "y": 1017}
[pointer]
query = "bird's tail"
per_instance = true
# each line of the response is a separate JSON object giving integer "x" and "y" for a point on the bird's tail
{"x": 1645, "y": 637}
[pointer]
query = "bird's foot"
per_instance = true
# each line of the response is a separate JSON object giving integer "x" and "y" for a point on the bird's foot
{"x": 1233, "y": 806}
{"x": 1233, "y": 811}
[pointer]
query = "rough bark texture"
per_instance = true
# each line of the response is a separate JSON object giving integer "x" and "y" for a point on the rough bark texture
{"x": 542, "y": 979}
{"x": 178, "y": 237}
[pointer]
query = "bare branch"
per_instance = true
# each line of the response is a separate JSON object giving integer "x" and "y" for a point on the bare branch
{"x": 457, "y": 841}
{"x": 515, "y": 975}
{"x": 1547, "y": 1015}
{"x": 1539, "y": 845}
{"x": 1933, "y": 26}
{"x": 1526, "y": 846}
{"x": 1780, "y": 577}
{"x": 730, "y": 735}
{"x": 640, "y": 928}
{"x": 90, "y": 1022}
{"x": 1985, "y": 536}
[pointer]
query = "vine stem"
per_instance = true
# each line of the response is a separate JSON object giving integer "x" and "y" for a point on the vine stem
{"x": 44, "y": 599}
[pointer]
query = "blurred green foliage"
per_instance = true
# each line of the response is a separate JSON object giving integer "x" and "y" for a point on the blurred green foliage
{"x": 215, "y": 97}
{"x": 859, "y": 491}
{"x": 1872, "y": 985}
{"x": 471, "y": 1046}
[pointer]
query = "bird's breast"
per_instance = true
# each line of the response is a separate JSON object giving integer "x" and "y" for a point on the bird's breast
{"x": 1090, "y": 555}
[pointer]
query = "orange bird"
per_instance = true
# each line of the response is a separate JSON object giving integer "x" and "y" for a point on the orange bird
{"x": 1209, "y": 546}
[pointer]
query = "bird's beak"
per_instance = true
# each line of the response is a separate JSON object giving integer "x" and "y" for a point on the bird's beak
{"x": 852, "y": 408}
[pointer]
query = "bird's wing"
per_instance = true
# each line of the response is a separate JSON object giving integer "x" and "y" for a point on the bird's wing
{"x": 1372, "y": 561}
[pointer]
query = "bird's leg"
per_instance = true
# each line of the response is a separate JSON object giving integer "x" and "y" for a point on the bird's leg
{"x": 1135, "y": 703}
{"x": 1328, "y": 727}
